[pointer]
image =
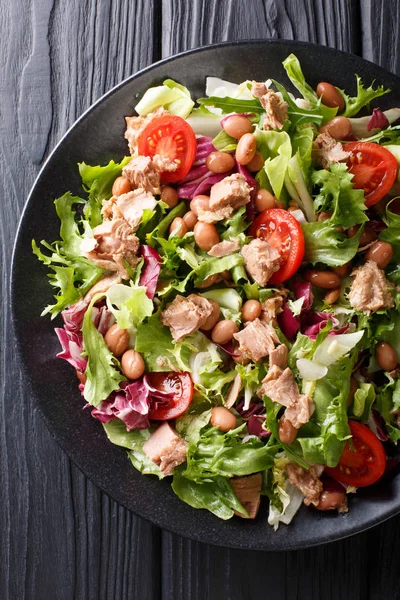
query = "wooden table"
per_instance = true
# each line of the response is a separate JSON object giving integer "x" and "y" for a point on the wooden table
{"x": 61, "y": 537}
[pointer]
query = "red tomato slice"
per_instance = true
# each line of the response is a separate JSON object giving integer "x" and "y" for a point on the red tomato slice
{"x": 180, "y": 384}
{"x": 170, "y": 137}
{"x": 365, "y": 464}
{"x": 281, "y": 230}
{"x": 374, "y": 169}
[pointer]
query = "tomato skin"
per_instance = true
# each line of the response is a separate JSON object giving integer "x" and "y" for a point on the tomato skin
{"x": 281, "y": 230}
{"x": 172, "y": 138}
{"x": 364, "y": 466}
{"x": 374, "y": 169}
{"x": 178, "y": 382}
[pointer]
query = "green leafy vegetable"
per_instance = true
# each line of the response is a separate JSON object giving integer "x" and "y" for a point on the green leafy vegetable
{"x": 232, "y": 105}
{"x": 229, "y": 301}
{"x": 131, "y": 302}
{"x": 97, "y": 181}
{"x": 353, "y": 104}
{"x": 215, "y": 495}
{"x": 72, "y": 273}
{"x": 392, "y": 236}
{"x": 174, "y": 97}
{"x": 102, "y": 373}
{"x": 225, "y": 454}
{"x": 133, "y": 440}
{"x": 387, "y": 402}
{"x": 363, "y": 401}
{"x": 224, "y": 142}
{"x": 276, "y": 148}
{"x": 296, "y": 76}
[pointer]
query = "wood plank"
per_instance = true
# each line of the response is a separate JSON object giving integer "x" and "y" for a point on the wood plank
{"x": 61, "y": 538}
{"x": 380, "y": 33}
{"x": 191, "y": 24}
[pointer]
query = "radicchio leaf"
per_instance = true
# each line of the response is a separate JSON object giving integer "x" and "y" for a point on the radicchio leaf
{"x": 302, "y": 289}
{"x": 288, "y": 323}
{"x": 72, "y": 348}
{"x": 130, "y": 404}
{"x": 378, "y": 120}
{"x": 151, "y": 270}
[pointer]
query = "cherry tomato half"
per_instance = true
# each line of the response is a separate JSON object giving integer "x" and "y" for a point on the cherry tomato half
{"x": 281, "y": 230}
{"x": 170, "y": 137}
{"x": 180, "y": 385}
{"x": 365, "y": 464}
{"x": 374, "y": 169}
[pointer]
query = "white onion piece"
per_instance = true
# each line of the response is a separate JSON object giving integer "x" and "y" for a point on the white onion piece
{"x": 234, "y": 391}
{"x": 310, "y": 370}
{"x": 333, "y": 348}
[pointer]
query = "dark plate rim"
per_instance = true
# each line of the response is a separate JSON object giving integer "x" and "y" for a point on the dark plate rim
{"x": 356, "y": 528}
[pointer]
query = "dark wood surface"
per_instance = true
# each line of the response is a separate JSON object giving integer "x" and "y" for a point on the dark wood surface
{"x": 61, "y": 537}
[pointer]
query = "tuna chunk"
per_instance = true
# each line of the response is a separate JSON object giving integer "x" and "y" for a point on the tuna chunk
{"x": 229, "y": 194}
{"x": 114, "y": 243}
{"x": 166, "y": 448}
{"x": 279, "y": 357}
{"x": 272, "y": 307}
{"x": 281, "y": 387}
{"x": 102, "y": 286}
{"x": 370, "y": 289}
{"x": 224, "y": 248}
{"x": 260, "y": 260}
{"x": 307, "y": 481}
{"x": 186, "y": 315}
{"x": 132, "y": 205}
{"x": 327, "y": 150}
{"x": 256, "y": 340}
{"x": 275, "y": 107}
{"x": 142, "y": 173}
{"x": 135, "y": 126}
{"x": 247, "y": 490}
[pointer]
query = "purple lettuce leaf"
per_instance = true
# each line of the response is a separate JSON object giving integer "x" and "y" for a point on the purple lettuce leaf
{"x": 151, "y": 270}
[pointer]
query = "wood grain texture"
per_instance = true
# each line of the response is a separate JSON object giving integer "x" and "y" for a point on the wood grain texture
{"x": 61, "y": 538}
{"x": 191, "y": 24}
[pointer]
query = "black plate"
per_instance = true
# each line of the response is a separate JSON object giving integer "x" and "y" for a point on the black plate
{"x": 51, "y": 384}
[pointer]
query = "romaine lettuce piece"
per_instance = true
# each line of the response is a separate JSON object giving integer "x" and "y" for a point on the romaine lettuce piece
{"x": 175, "y": 98}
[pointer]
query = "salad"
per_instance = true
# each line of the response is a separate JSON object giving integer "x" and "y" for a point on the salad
{"x": 229, "y": 293}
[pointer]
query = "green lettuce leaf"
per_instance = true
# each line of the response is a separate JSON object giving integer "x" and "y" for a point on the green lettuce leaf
{"x": 338, "y": 196}
{"x": 229, "y": 300}
{"x": 72, "y": 274}
{"x": 215, "y": 495}
{"x": 224, "y": 142}
{"x": 296, "y": 76}
{"x": 363, "y": 401}
{"x": 133, "y": 440}
{"x": 129, "y": 304}
{"x": 387, "y": 401}
{"x": 214, "y": 265}
{"x": 155, "y": 344}
{"x": 174, "y": 97}
{"x": 300, "y": 116}
{"x": 190, "y": 426}
{"x": 234, "y": 226}
{"x": 353, "y": 104}
{"x": 284, "y": 498}
{"x": 102, "y": 372}
{"x": 218, "y": 453}
{"x": 97, "y": 181}
{"x": 325, "y": 244}
{"x": 162, "y": 227}
{"x": 392, "y": 236}
{"x": 323, "y": 438}
{"x": 232, "y": 105}
{"x": 276, "y": 148}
